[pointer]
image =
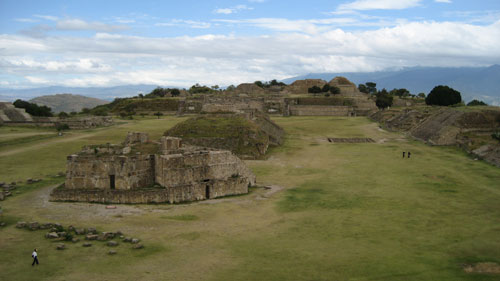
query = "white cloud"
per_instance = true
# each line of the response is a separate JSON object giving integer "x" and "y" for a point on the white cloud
{"x": 380, "y": 5}
{"x": 187, "y": 23}
{"x": 442, "y": 1}
{"x": 78, "y": 24}
{"x": 232, "y": 10}
{"x": 113, "y": 59}
{"x": 46, "y": 17}
{"x": 26, "y": 20}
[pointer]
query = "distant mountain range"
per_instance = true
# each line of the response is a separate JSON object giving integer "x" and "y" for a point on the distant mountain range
{"x": 67, "y": 102}
{"x": 104, "y": 93}
{"x": 481, "y": 83}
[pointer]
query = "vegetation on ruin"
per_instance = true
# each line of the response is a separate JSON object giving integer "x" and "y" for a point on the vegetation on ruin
{"x": 269, "y": 84}
{"x": 443, "y": 96}
{"x": 347, "y": 212}
{"x": 34, "y": 109}
{"x": 477, "y": 103}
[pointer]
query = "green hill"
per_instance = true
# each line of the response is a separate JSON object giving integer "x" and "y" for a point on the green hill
{"x": 67, "y": 102}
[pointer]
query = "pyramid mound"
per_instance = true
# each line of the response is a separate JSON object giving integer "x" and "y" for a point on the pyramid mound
{"x": 247, "y": 135}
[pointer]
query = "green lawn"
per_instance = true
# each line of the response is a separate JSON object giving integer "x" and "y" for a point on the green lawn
{"x": 348, "y": 212}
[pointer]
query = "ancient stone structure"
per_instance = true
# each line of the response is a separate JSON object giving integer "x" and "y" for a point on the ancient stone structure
{"x": 141, "y": 171}
{"x": 10, "y": 115}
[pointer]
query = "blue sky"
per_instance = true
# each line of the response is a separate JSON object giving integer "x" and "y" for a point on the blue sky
{"x": 178, "y": 43}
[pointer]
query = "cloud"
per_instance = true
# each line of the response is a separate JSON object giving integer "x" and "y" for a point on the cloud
{"x": 78, "y": 24}
{"x": 187, "y": 23}
{"x": 380, "y": 5}
{"x": 46, "y": 17}
{"x": 232, "y": 10}
{"x": 107, "y": 59}
{"x": 442, "y": 1}
{"x": 26, "y": 20}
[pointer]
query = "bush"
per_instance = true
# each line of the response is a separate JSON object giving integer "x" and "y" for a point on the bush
{"x": 63, "y": 114}
{"x": 62, "y": 127}
{"x": 334, "y": 90}
{"x": 34, "y": 109}
{"x": 100, "y": 111}
{"x": 384, "y": 99}
{"x": 443, "y": 96}
{"x": 496, "y": 135}
{"x": 476, "y": 102}
{"x": 314, "y": 90}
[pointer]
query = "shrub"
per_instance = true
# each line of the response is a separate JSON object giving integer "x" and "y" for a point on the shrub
{"x": 63, "y": 114}
{"x": 314, "y": 90}
{"x": 384, "y": 99}
{"x": 34, "y": 109}
{"x": 62, "y": 127}
{"x": 476, "y": 102}
{"x": 443, "y": 96}
{"x": 334, "y": 90}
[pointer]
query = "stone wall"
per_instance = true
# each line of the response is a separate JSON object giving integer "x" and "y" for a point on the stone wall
{"x": 199, "y": 191}
{"x": 178, "y": 169}
{"x": 320, "y": 110}
{"x": 85, "y": 122}
{"x": 96, "y": 172}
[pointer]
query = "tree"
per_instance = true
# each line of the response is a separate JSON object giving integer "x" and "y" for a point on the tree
{"x": 259, "y": 83}
{"x": 363, "y": 89}
{"x": 62, "y": 127}
{"x": 314, "y": 90}
{"x": 334, "y": 90}
{"x": 476, "y": 102}
{"x": 384, "y": 99}
{"x": 141, "y": 96}
{"x": 400, "y": 92}
{"x": 34, "y": 109}
{"x": 372, "y": 87}
{"x": 63, "y": 114}
{"x": 175, "y": 92}
{"x": 85, "y": 110}
{"x": 326, "y": 88}
{"x": 230, "y": 88}
{"x": 99, "y": 111}
{"x": 421, "y": 95}
{"x": 443, "y": 96}
{"x": 158, "y": 114}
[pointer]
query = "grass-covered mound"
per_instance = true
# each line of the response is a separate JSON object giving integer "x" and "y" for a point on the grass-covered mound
{"x": 246, "y": 137}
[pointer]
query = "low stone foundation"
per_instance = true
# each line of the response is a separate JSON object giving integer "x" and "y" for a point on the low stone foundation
{"x": 199, "y": 191}
{"x": 351, "y": 140}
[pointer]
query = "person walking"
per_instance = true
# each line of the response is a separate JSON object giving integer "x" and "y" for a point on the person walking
{"x": 34, "y": 255}
{"x": 409, "y": 154}
{"x": 403, "y": 154}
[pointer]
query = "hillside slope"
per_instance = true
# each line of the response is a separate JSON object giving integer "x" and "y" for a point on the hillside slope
{"x": 67, "y": 102}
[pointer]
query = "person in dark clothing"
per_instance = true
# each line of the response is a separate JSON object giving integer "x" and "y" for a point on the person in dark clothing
{"x": 34, "y": 255}
{"x": 409, "y": 154}
{"x": 403, "y": 154}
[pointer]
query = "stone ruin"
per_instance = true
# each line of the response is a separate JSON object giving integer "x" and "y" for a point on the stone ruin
{"x": 142, "y": 171}
{"x": 10, "y": 115}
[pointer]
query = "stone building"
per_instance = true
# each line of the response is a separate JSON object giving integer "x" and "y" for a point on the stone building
{"x": 142, "y": 171}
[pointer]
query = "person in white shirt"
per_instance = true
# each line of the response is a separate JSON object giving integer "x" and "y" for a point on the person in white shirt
{"x": 35, "y": 258}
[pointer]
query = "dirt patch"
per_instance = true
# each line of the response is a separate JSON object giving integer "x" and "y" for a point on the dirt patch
{"x": 482, "y": 267}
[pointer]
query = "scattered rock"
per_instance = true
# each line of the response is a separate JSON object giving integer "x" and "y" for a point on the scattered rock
{"x": 2, "y": 224}
{"x": 112, "y": 252}
{"x": 2, "y": 184}
{"x": 91, "y": 237}
{"x": 51, "y": 235}
{"x": 138, "y": 246}
{"x": 2, "y": 197}
{"x": 7, "y": 193}
{"x": 112, "y": 243}
{"x": 122, "y": 237}
{"x": 91, "y": 230}
{"x": 13, "y": 183}
{"x": 80, "y": 231}
{"x": 127, "y": 239}
{"x": 21, "y": 224}
{"x": 75, "y": 240}
{"x": 119, "y": 233}
{"x": 58, "y": 226}
{"x": 61, "y": 246}
{"x": 110, "y": 207}
{"x": 34, "y": 226}
{"x": 71, "y": 228}
{"x": 46, "y": 226}
{"x": 29, "y": 181}
{"x": 87, "y": 244}
{"x": 61, "y": 234}
{"x": 135, "y": 241}
{"x": 482, "y": 267}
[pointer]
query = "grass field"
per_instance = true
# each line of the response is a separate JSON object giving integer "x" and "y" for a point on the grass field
{"x": 347, "y": 212}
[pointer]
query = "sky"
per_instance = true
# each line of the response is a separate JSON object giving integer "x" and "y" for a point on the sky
{"x": 179, "y": 43}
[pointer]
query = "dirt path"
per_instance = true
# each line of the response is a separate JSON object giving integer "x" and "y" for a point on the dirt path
{"x": 27, "y": 134}
{"x": 45, "y": 143}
